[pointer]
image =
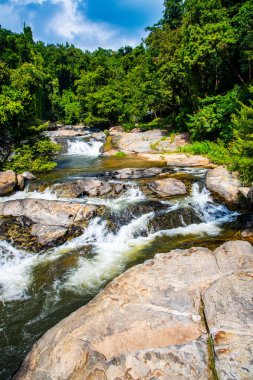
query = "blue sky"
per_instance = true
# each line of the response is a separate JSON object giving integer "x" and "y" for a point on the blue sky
{"x": 87, "y": 24}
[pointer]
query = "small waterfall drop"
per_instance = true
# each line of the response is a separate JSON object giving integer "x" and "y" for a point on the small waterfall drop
{"x": 79, "y": 147}
{"x": 15, "y": 272}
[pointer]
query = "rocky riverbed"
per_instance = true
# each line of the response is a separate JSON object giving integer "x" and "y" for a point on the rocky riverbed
{"x": 183, "y": 314}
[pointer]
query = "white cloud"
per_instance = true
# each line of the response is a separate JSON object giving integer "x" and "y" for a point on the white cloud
{"x": 73, "y": 25}
{"x": 8, "y": 12}
{"x": 67, "y": 23}
{"x": 27, "y": 2}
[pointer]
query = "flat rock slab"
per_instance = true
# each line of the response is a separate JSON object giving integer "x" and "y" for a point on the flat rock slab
{"x": 50, "y": 222}
{"x": 87, "y": 186}
{"x": 136, "y": 142}
{"x": 224, "y": 184}
{"x": 149, "y": 323}
{"x": 168, "y": 187}
{"x": 179, "y": 160}
{"x": 229, "y": 314}
{"x": 133, "y": 173}
{"x": 49, "y": 212}
{"x": 67, "y": 133}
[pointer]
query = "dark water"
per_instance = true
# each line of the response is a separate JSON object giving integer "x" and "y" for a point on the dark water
{"x": 38, "y": 290}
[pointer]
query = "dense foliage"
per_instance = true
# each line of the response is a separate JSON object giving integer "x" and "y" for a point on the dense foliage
{"x": 193, "y": 71}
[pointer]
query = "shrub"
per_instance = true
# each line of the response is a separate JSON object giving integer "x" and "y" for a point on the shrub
{"x": 120, "y": 154}
{"x": 35, "y": 158}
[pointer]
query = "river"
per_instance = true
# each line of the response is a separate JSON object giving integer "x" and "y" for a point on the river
{"x": 39, "y": 289}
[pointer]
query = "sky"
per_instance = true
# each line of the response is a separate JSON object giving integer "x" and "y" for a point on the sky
{"x": 88, "y": 24}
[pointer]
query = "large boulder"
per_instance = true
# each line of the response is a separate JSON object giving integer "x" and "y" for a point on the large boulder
{"x": 224, "y": 184}
{"x": 87, "y": 186}
{"x": 133, "y": 142}
{"x": 163, "y": 319}
{"x": 8, "y": 182}
{"x": 136, "y": 173}
{"x": 167, "y": 187}
{"x": 46, "y": 222}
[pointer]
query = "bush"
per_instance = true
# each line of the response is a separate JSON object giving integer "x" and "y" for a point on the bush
{"x": 35, "y": 158}
{"x": 120, "y": 154}
{"x": 213, "y": 119}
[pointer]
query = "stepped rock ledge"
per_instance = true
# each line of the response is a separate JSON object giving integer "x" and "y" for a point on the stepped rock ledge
{"x": 186, "y": 314}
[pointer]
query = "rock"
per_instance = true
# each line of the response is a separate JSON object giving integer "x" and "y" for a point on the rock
{"x": 51, "y": 213}
{"x": 20, "y": 182}
{"x": 87, "y": 186}
{"x": 136, "y": 130}
{"x": 247, "y": 235}
{"x": 174, "y": 219}
{"x": 133, "y": 142}
{"x": 50, "y": 222}
{"x": 155, "y": 321}
{"x": 100, "y": 136}
{"x": 49, "y": 235}
{"x": 168, "y": 187}
{"x": 133, "y": 173}
{"x": 8, "y": 182}
{"x": 66, "y": 133}
{"x": 179, "y": 160}
{"x": 228, "y": 310}
{"x": 117, "y": 129}
{"x": 172, "y": 143}
{"x": 224, "y": 184}
{"x": 28, "y": 175}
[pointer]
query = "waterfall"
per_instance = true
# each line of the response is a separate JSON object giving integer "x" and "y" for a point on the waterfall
{"x": 79, "y": 147}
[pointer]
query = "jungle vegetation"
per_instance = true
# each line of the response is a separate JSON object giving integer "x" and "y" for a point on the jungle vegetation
{"x": 194, "y": 71}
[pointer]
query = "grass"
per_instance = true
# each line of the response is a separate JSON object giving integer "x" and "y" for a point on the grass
{"x": 234, "y": 158}
{"x": 217, "y": 153}
{"x": 120, "y": 154}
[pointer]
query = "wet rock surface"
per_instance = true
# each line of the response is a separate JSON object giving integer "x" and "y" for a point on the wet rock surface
{"x": 224, "y": 184}
{"x": 167, "y": 187}
{"x": 161, "y": 319}
{"x": 174, "y": 219}
{"x": 133, "y": 173}
{"x": 87, "y": 186}
{"x": 47, "y": 222}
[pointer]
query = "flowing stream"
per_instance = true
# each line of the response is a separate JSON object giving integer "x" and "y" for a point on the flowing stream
{"x": 39, "y": 289}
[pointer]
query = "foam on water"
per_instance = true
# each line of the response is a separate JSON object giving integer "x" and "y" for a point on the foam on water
{"x": 15, "y": 272}
{"x": 111, "y": 252}
{"x": 207, "y": 209}
{"x": 47, "y": 194}
{"x": 82, "y": 148}
{"x": 132, "y": 195}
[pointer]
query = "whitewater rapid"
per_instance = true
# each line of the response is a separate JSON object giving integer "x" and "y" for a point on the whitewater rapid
{"x": 79, "y": 147}
{"x": 109, "y": 251}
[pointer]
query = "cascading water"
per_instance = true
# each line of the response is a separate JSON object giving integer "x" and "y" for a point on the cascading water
{"x": 79, "y": 147}
{"x": 46, "y": 286}
{"x": 15, "y": 272}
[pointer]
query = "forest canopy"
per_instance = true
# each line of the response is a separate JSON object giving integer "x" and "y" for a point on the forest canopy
{"x": 192, "y": 72}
